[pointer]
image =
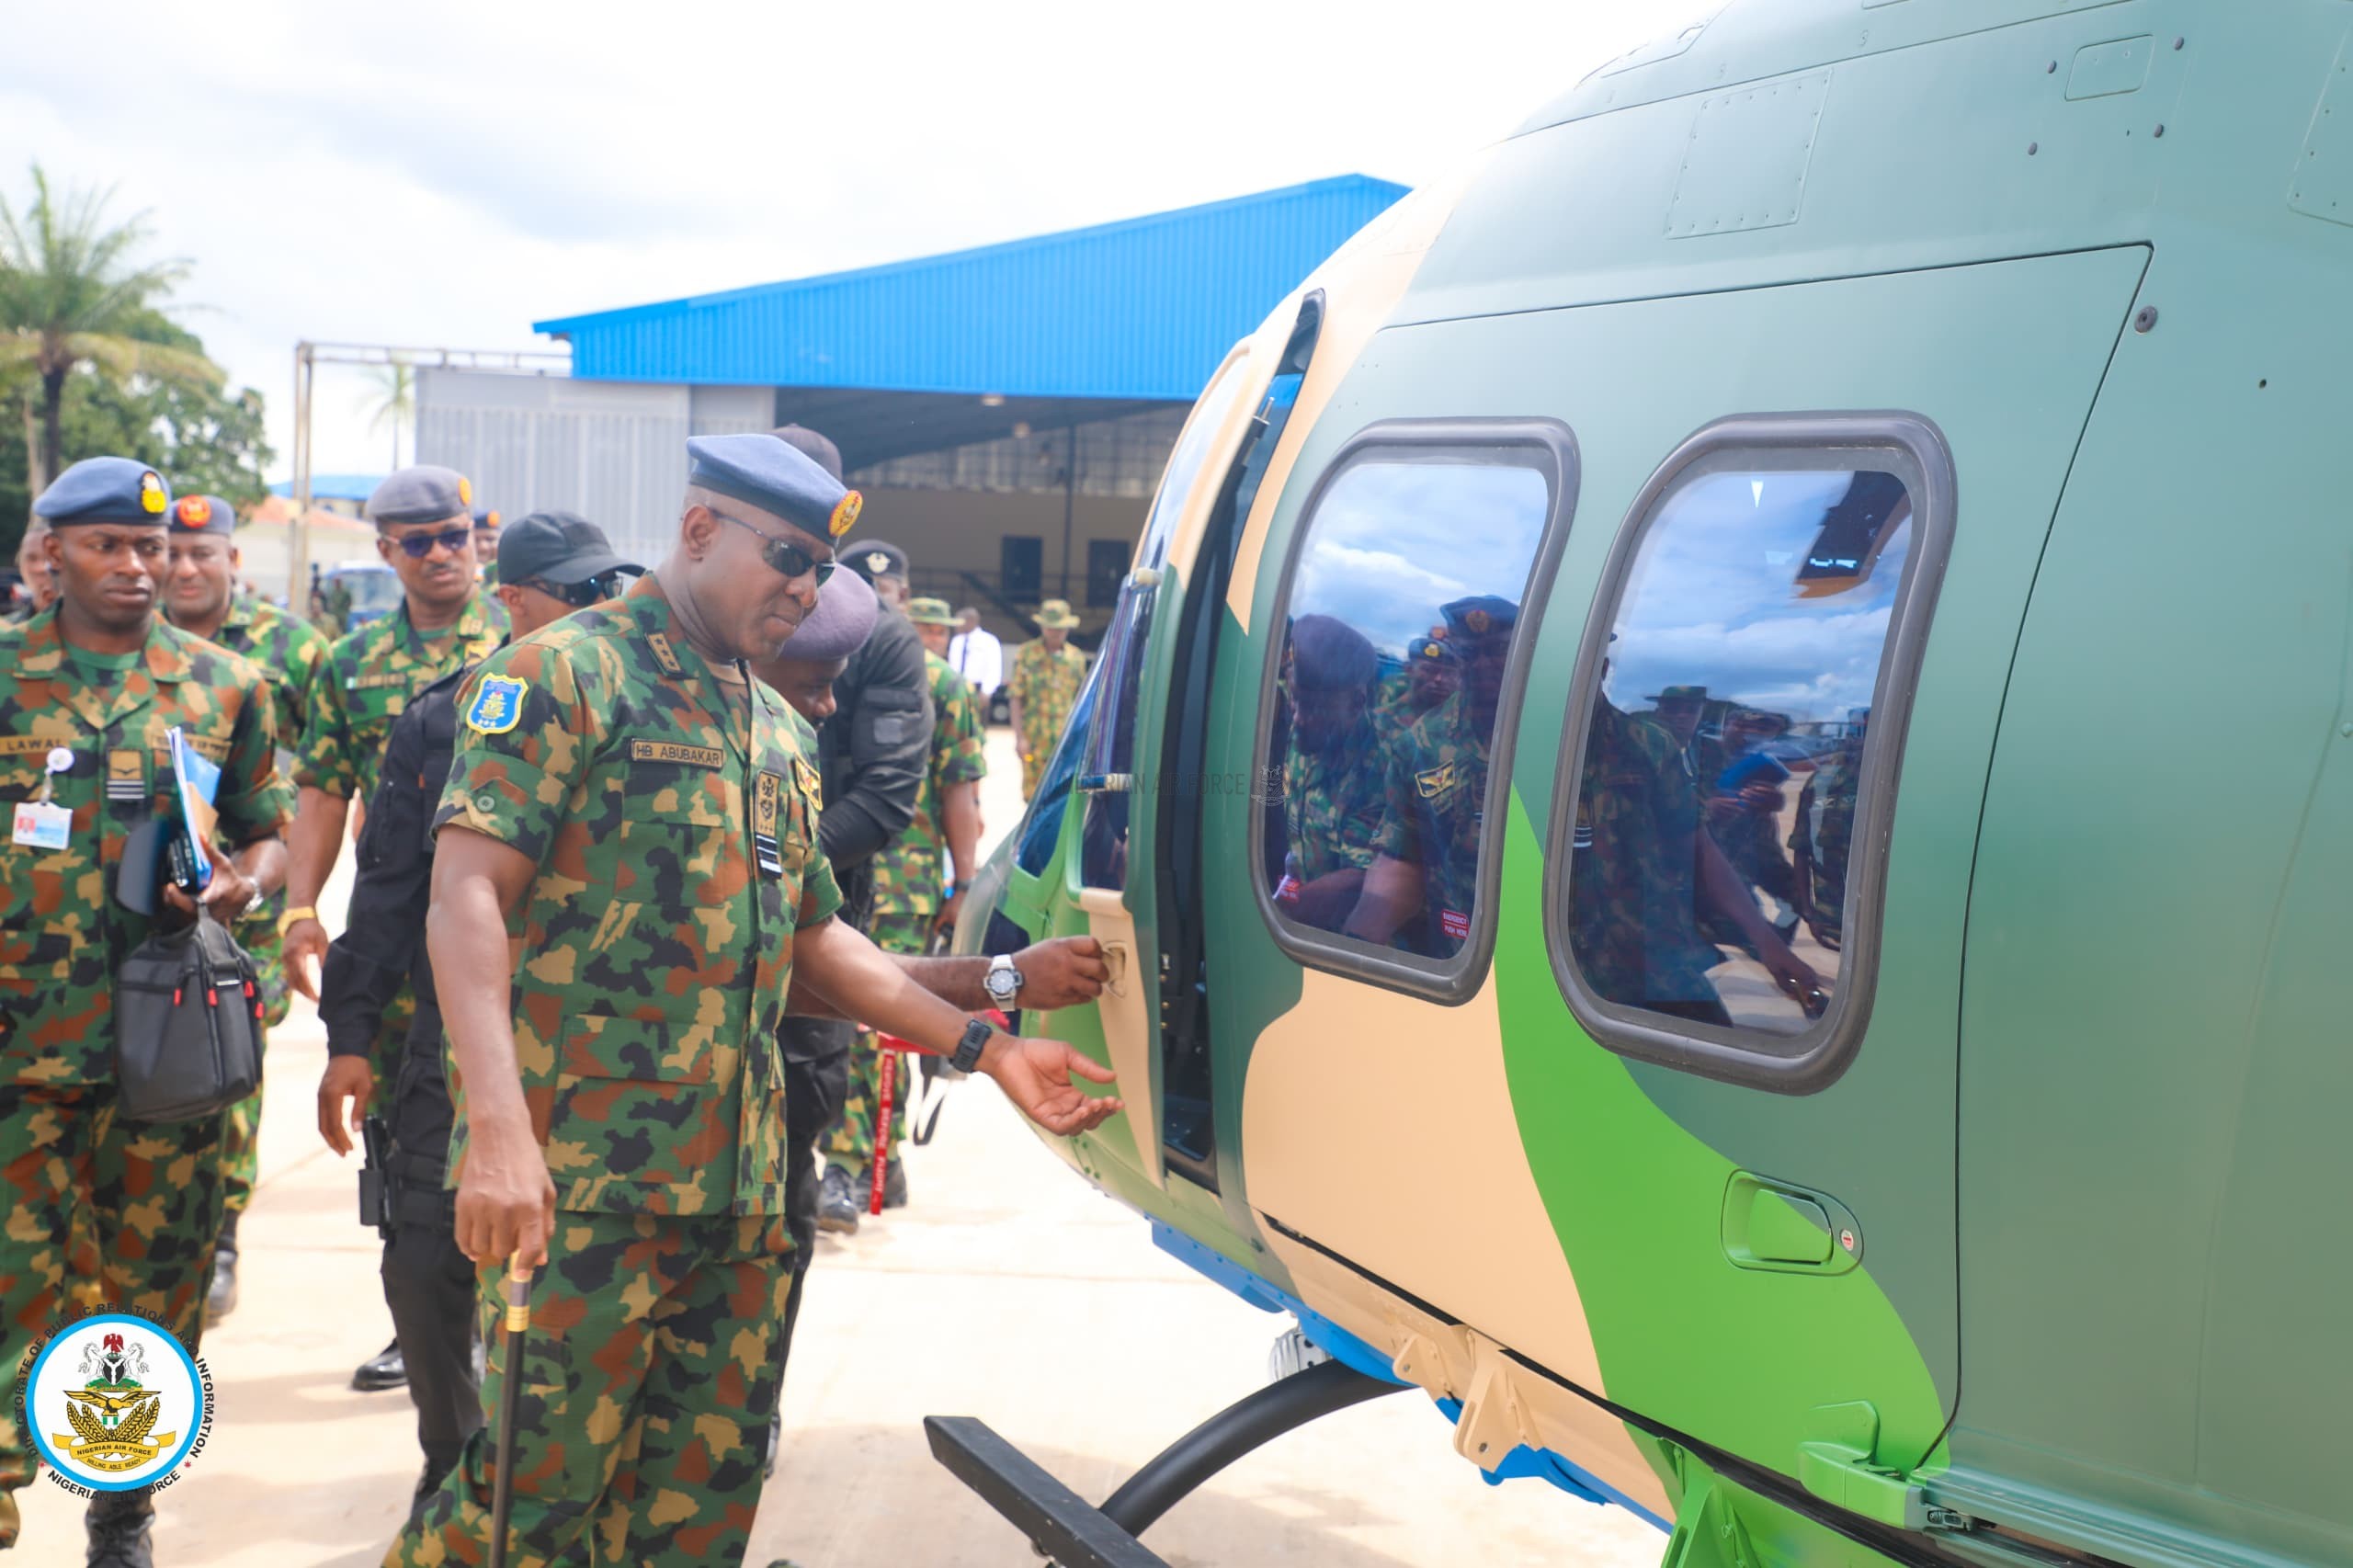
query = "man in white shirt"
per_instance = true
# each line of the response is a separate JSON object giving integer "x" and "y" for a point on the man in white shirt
{"x": 976, "y": 654}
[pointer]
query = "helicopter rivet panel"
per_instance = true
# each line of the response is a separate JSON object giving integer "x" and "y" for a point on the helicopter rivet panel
{"x": 2322, "y": 186}
{"x": 2104, "y": 70}
{"x": 1744, "y": 165}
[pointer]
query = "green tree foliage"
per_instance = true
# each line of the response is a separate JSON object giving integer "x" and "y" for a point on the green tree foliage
{"x": 89, "y": 364}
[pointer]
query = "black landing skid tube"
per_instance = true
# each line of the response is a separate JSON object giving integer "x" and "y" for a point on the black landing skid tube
{"x": 1071, "y": 1532}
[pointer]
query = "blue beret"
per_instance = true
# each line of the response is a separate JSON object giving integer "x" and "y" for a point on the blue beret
{"x": 203, "y": 515}
{"x": 1330, "y": 654}
{"x": 838, "y": 626}
{"x": 422, "y": 493}
{"x": 765, "y": 471}
{"x": 105, "y": 490}
{"x": 1480, "y": 615}
{"x": 485, "y": 516}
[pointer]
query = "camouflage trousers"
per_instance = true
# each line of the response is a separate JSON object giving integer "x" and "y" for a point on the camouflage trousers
{"x": 851, "y": 1148}
{"x": 133, "y": 1208}
{"x": 648, "y": 1380}
{"x": 1033, "y": 768}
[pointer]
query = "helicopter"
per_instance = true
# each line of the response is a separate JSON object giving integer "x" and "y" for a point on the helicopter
{"x": 1622, "y": 798}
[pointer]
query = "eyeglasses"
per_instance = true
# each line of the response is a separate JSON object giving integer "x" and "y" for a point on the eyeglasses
{"x": 782, "y": 555}
{"x": 419, "y": 546}
{"x": 579, "y": 596}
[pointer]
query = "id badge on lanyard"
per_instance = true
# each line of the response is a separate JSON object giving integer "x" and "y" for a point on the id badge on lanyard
{"x": 41, "y": 824}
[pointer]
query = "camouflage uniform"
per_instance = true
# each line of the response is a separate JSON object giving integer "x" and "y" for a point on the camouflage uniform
{"x": 606, "y": 752}
{"x": 288, "y": 651}
{"x": 364, "y": 681}
{"x": 1825, "y": 832}
{"x": 1633, "y": 876}
{"x": 908, "y": 874}
{"x": 1046, "y": 684}
{"x": 1333, "y": 801}
{"x": 153, "y": 1192}
{"x": 1433, "y": 808}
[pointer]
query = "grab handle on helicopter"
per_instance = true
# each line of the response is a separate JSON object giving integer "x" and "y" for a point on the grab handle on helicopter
{"x": 1106, "y": 783}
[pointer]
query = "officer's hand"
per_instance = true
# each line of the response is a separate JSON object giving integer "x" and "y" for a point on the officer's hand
{"x": 1035, "y": 1076}
{"x": 227, "y": 896}
{"x": 949, "y": 911}
{"x": 506, "y": 1200}
{"x": 1061, "y": 973}
{"x": 346, "y": 1078}
{"x": 306, "y": 950}
{"x": 1796, "y": 978}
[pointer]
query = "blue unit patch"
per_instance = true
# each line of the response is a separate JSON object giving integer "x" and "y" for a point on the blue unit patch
{"x": 497, "y": 705}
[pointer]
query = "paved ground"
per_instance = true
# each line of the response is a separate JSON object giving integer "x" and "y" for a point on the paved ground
{"x": 1010, "y": 1290}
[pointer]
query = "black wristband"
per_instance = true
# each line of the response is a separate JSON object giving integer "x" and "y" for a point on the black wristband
{"x": 975, "y": 1040}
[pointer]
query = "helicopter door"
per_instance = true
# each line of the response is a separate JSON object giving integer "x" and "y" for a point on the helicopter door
{"x": 1113, "y": 880}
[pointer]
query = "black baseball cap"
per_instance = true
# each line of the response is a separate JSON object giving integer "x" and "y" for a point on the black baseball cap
{"x": 562, "y": 547}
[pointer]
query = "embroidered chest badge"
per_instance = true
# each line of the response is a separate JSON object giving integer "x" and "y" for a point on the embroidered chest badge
{"x": 497, "y": 705}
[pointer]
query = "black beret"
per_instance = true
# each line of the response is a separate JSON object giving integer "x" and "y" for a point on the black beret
{"x": 422, "y": 493}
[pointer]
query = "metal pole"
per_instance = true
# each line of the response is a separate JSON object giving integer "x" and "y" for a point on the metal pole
{"x": 1070, "y": 497}
{"x": 298, "y": 543}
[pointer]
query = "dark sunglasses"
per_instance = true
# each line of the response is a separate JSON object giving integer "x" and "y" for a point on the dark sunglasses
{"x": 579, "y": 596}
{"x": 419, "y": 546}
{"x": 782, "y": 555}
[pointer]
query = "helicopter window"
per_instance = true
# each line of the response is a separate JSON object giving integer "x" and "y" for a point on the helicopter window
{"x": 1384, "y": 717}
{"x": 1730, "y": 766}
{"x": 1041, "y": 830}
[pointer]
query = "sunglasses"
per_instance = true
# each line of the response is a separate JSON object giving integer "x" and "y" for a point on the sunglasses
{"x": 579, "y": 596}
{"x": 782, "y": 555}
{"x": 419, "y": 546}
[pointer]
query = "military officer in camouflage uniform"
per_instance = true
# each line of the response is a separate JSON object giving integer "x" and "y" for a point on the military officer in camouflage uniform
{"x": 446, "y": 620}
{"x": 1421, "y": 889}
{"x": 200, "y": 597}
{"x": 88, "y": 689}
{"x": 909, "y": 872}
{"x": 1335, "y": 771}
{"x": 1822, "y": 838}
{"x": 620, "y": 1121}
{"x": 486, "y": 544}
{"x": 1432, "y": 673}
{"x": 32, "y": 565}
{"x": 1042, "y": 688}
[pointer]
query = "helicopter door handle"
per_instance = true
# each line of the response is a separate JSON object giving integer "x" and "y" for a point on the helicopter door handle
{"x": 1115, "y": 959}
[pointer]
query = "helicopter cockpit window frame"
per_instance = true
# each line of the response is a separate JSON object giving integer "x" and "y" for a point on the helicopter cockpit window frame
{"x": 1910, "y": 449}
{"x": 1545, "y": 447}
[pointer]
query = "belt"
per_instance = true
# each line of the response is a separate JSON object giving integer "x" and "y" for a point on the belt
{"x": 428, "y": 1207}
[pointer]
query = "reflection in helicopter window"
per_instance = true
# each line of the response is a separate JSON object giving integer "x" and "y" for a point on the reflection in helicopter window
{"x": 1392, "y": 670}
{"x": 1723, "y": 751}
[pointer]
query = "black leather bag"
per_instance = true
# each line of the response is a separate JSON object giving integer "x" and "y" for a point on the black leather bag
{"x": 187, "y": 1023}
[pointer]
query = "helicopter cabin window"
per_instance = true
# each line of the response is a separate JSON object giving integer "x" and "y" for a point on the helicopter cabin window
{"x": 1386, "y": 709}
{"x": 1729, "y": 766}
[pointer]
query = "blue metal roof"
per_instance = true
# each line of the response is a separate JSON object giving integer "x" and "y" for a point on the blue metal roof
{"x": 335, "y": 486}
{"x": 1140, "y": 309}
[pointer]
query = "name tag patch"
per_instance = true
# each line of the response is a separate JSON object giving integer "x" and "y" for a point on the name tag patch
{"x": 677, "y": 752}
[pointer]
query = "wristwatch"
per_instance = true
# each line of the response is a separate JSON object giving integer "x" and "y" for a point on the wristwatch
{"x": 292, "y": 917}
{"x": 977, "y": 1033}
{"x": 1003, "y": 981}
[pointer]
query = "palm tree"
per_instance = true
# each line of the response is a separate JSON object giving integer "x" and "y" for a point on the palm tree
{"x": 394, "y": 402}
{"x": 72, "y": 295}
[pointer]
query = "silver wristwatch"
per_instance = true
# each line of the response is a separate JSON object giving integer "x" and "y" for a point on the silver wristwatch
{"x": 1003, "y": 981}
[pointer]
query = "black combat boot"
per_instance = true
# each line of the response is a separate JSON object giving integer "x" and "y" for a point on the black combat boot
{"x": 894, "y": 1184}
{"x": 387, "y": 1370}
{"x": 221, "y": 1297}
{"x": 837, "y": 1206}
{"x": 118, "y": 1524}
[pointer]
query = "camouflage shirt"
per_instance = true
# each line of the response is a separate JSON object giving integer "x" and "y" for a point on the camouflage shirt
{"x": 368, "y": 677}
{"x": 1824, "y": 834}
{"x": 1333, "y": 801}
{"x": 908, "y": 870}
{"x": 288, "y": 651}
{"x": 1046, "y": 684}
{"x": 62, "y": 934}
{"x": 1633, "y": 877}
{"x": 1433, "y": 811}
{"x": 673, "y": 818}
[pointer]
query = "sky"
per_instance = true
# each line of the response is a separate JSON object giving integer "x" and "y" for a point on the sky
{"x": 442, "y": 174}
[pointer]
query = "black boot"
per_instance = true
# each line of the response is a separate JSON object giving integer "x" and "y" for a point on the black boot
{"x": 221, "y": 1297}
{"x": 118, "y": 1524}
{"x": 436, "y": 1472}
{"x": 837, "y": 1207}
{"x": 894, "y": 1185}
{"x": 386, "y": 1371}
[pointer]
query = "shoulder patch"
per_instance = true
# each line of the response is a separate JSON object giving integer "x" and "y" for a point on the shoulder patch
{"x": 1435, "y": 781}
{"x": 811, "y": 785}
{"x": 497, "y": 705}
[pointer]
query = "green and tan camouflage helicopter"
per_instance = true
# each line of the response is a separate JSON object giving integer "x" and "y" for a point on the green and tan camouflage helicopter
{"x": 1722, "y": 793}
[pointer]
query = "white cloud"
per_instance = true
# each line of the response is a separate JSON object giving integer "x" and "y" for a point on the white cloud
{"x": 444, "y": 173}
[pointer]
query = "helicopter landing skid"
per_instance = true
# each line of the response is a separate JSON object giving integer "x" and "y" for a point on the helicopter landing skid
{"x": 1071, "y": 1532}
